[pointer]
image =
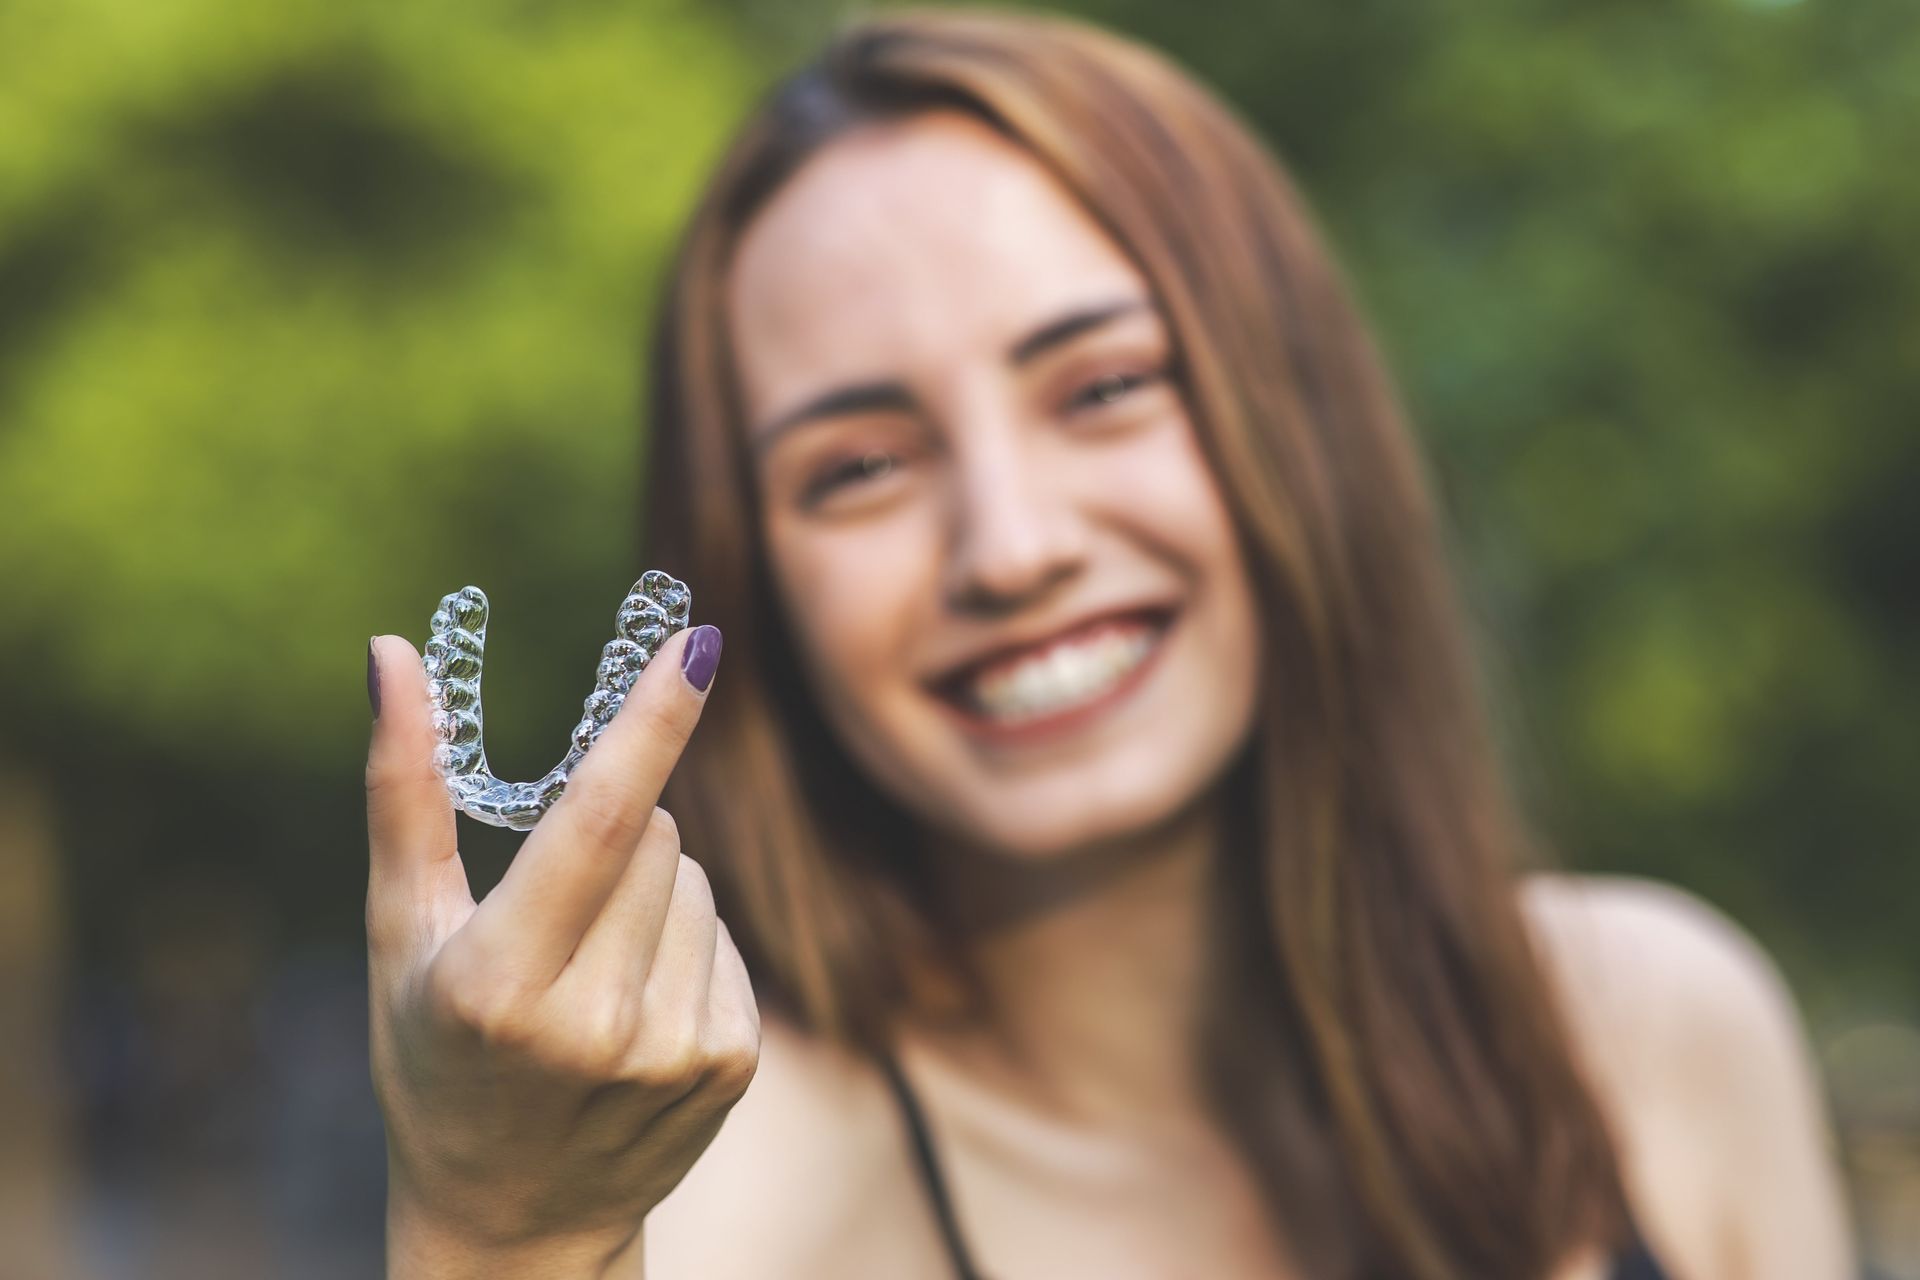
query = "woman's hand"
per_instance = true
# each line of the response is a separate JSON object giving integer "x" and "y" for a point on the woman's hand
{"x": 552, "y": 1060}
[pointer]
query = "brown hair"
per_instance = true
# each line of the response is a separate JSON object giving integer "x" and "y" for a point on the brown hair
{"x": 1380, "y": 1041}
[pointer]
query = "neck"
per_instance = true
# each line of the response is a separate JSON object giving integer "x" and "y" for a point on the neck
{"x": 1093, "y": 963}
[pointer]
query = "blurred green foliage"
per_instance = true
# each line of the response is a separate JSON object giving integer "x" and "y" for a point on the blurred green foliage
{"x": 311, "y": 312}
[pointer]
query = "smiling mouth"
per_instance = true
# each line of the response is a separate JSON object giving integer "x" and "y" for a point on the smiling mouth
{"x": 1062, "y": 681}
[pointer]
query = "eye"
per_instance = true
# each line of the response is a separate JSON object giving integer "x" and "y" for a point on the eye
{"x": 1109, "y": 388}
{"x": 848, "y": 471}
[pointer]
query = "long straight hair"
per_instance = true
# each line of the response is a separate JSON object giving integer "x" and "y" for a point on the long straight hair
{"x": 1379, "y": 1039}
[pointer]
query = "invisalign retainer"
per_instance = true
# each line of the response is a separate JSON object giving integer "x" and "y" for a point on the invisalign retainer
{"x": 657, "y": 606}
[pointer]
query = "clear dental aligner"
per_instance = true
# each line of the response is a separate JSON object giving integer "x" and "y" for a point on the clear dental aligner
{"x": 657, "y": 606}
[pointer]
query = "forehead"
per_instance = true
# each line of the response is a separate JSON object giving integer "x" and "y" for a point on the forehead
{"x": 904, "y": 246}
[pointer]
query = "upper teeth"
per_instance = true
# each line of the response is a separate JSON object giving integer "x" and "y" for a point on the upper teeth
{"x": 1065, "y": 674}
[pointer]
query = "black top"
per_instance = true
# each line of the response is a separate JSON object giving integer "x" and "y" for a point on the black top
{"x": 1636, "y": 1262}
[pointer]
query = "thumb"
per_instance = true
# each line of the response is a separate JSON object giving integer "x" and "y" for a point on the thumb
{"x": 410, "y": 825}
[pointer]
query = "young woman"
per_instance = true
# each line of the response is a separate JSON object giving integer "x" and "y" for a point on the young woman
{"x": 1097, "y": 792}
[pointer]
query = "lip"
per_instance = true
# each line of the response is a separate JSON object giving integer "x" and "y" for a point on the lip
{"x": 953, "y": 678}
{"x": 1071, "y": 719}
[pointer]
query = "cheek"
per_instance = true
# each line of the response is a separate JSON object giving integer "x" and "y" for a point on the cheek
{"x": 1165, "y": 495}
{"x": 852, "y": 594}
{"x": 1162, "y": 488}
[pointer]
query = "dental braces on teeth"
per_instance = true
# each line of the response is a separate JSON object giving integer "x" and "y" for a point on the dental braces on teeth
{"x": 655, "y": 607}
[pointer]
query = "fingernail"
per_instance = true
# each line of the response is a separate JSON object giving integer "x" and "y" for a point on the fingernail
{"x": 373, "y": 680}
{"x": 701, "y": 656}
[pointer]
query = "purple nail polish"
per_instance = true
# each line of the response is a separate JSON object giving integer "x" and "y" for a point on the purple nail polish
{"x": 701, "y": 656}
{"x": 373, "y": 681}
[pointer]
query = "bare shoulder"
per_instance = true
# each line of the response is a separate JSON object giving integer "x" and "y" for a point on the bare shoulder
{"x": 796, "y": 1168}
{"x": 1640, "y": 962}
{"x": 1697, "y": 1055}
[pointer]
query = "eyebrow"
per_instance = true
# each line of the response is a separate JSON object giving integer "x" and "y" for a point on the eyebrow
{"x": 867, "y": 397}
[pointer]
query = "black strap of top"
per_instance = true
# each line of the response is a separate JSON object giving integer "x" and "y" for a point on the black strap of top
{"x": 1636, "y": 1262}
{"x": 929, "y": 1162}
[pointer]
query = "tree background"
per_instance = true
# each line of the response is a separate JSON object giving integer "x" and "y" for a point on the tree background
{"x": 312, "y": 312}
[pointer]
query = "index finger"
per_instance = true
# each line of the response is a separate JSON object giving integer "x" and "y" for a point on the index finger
{"x": 410, "y": 826}
{"x": 567, "y": 869}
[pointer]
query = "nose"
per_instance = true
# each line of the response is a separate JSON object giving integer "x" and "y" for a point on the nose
{"x": 1016, "y": 534}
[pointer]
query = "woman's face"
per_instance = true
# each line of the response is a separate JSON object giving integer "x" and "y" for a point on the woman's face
{"x": 1008, "y": 568}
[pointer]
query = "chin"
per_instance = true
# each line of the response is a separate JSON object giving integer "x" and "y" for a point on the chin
{"x": 1065, "y": 819}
